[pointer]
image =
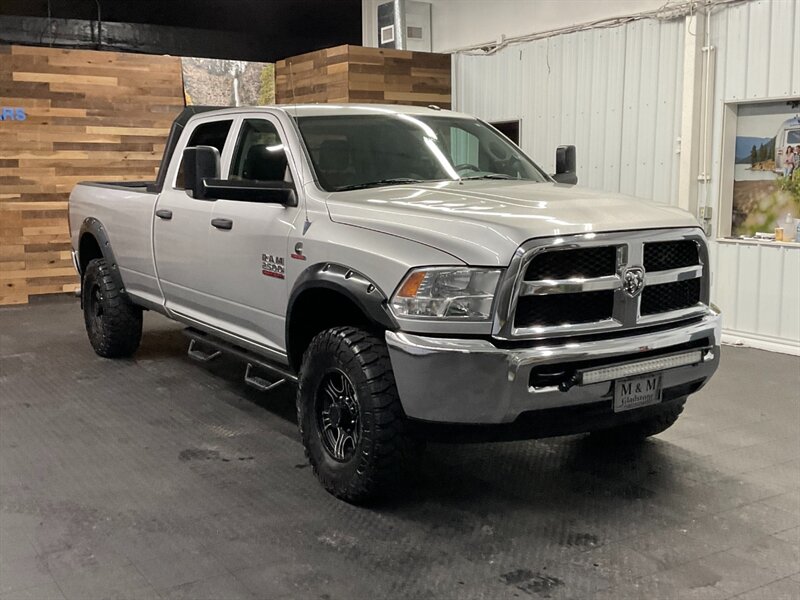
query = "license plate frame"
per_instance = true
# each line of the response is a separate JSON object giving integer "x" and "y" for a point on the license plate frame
{"x": 631, "y": 393}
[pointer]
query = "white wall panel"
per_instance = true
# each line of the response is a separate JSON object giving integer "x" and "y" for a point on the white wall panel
{"x": 614, "y": 93}
{"x": 757, "y": 47}
{"x": 758, "y": 288}
{"x": 460, "y": 23}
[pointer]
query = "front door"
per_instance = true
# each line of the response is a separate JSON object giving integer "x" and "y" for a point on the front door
{"x": 181, "y": 227}
{"x": 248, "y": 244}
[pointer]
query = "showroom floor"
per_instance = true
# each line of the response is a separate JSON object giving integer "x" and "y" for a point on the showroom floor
{"x": 161, "y": 478}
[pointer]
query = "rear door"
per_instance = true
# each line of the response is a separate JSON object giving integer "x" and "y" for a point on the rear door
{"x": 248, "y": 248}
{"x": 182, "y": 224}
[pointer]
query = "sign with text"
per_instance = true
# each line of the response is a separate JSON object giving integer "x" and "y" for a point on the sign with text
{"x": 12, "y": 113}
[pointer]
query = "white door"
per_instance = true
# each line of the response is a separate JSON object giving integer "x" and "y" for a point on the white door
{"x": 181, "y": 228}
{"x": 248, "y": 246}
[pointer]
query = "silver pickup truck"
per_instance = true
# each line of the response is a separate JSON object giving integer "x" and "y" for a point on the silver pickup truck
{"x": 412, "y": 271}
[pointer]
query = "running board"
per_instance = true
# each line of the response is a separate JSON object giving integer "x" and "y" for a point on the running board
{"x": 259, "y": 383}
{"x": 254, "y": 362}
{"x": 201, "y": 356}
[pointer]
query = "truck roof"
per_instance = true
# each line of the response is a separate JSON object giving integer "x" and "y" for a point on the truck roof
{"x": 318, "y": 110}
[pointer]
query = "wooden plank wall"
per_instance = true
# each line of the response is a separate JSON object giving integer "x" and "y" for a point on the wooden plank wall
{"x": 89, "y": 116}
{"x": 358, "y": 74}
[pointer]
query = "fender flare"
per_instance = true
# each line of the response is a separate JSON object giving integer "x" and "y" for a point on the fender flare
{"x": 93, "y": 227}
{"x": 353, "y": 285}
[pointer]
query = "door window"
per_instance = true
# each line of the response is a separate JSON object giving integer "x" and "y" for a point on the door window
{"x": 464, "y": 147}
{"x": 211, "y": 134}
{"x": 260, "y": 154}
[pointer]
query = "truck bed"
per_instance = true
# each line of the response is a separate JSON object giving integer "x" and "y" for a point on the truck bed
{"x": 144, "y": 187}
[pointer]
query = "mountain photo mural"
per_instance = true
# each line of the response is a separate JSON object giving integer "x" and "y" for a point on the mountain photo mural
{"x": 766, "y": 182}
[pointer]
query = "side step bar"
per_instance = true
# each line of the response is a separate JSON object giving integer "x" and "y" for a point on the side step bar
{"x": 278, "y": 374}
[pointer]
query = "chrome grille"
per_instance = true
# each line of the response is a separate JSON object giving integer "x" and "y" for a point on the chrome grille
{"x": 544, "y": 311}
{"x": 595, "y": 282}
{"x": 659, "y": 256}
{"x": 581, "y": 262}
{"x": 670, "y": 296}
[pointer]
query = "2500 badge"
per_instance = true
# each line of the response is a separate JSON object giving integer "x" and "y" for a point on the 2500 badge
{"x": 273, "y": 266}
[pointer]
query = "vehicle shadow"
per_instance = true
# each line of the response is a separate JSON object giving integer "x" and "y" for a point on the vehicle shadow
{"x": 568, "y": 473}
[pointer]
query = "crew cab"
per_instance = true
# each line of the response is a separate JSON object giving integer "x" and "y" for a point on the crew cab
{"x": 412, "y": 271}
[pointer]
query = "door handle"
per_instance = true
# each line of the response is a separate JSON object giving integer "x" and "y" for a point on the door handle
{"x": 164, "y": 214}
{"x": 222, "y": 223}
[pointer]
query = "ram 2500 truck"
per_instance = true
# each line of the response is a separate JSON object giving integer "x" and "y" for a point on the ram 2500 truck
{"x": 412, "y": 271}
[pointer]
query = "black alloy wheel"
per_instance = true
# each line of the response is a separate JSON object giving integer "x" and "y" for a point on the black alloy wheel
{"x": 338, "y": 415}
{"x": 95, "y": 309}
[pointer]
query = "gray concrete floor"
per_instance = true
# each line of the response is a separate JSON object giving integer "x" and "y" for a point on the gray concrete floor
{"x": 159, "y": 478}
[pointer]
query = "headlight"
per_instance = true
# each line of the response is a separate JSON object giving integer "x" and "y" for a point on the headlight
{"x": 447, "y": 293}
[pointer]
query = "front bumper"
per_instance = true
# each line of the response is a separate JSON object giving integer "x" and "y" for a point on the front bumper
{"x": 473, "y": 381}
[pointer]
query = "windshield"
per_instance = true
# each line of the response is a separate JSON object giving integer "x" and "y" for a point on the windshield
{"x": 358, "y": 151}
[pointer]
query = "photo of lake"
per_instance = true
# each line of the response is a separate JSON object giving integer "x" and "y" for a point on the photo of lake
{"x": 766, "y": 186}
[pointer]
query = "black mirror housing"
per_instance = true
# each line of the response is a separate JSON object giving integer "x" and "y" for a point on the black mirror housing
{"x": 565, "y": 165}
{"x": 200, "y": 163}
{"x": 273, "y": 192}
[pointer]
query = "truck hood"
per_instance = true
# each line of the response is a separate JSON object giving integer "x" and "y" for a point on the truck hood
{"x": 484, "y": 222}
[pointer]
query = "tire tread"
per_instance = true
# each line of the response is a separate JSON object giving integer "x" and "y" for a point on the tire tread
{"x": 391, "y": 446}
{"x": 122, "y": 320}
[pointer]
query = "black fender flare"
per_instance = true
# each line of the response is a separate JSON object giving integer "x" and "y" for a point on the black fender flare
{"x": 353, "y": 285}
{"x": 93, "y": 227}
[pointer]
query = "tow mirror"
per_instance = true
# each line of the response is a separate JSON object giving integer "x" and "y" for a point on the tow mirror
{"x": 565, "y": 165}
{"x": 199, "y": 163}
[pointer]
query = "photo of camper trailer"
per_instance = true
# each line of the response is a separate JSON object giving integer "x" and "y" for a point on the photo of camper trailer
{"x": 766, "y": 186}
{"x": 787, "y": 140}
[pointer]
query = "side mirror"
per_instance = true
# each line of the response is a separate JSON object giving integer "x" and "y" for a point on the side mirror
{"x": 274, "y": 192}
{"x": 199, "y": 163}
{"x": 565, "y": 165}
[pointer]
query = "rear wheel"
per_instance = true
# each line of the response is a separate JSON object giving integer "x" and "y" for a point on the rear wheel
{"x": 631, "y": 433}
{"x": 113, "y": 322}
{"x": 351, "y": 421}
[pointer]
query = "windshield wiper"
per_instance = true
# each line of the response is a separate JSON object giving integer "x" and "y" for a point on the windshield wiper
{"x": 490, "y": 176}
{"x": 380, "y": 182}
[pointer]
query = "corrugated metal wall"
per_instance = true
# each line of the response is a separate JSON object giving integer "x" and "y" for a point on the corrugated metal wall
{"x": 758, "y": 288}
{"x": 757, "y": 46}
{"x": 614, "y": 93}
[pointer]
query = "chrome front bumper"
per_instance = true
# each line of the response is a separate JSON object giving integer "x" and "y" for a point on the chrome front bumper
{"x": 473, "y": 381}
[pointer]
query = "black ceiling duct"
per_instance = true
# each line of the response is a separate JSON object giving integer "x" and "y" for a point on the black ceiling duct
{"x": 263, "y": 30}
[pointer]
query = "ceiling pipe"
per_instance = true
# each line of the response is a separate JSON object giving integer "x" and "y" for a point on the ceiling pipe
{"x": 400, "y": 41}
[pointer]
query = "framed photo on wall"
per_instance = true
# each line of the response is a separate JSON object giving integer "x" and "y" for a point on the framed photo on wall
{"x": 761, "y": 174}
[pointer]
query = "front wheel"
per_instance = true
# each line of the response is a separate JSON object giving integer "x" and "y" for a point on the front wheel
{"x": 351, "y": 421}
{"x": 113, "y": 322}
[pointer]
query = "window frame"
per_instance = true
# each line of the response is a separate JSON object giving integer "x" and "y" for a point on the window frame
{"x": 722, "y": 223}
{"x": 239, "y": 126}
{"x": 184, "y": 143}
{"x": 501, "y": 122}
{"x": 230, "y": 148}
